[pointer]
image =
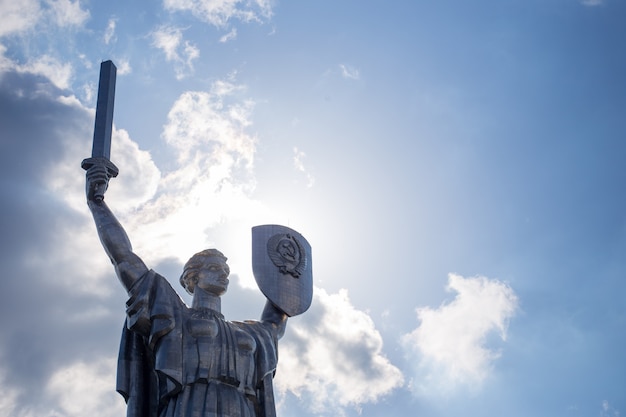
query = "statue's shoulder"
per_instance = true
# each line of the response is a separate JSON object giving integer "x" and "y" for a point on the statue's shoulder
{"x": 261, "y": 331}
{"x": 154, "y": 286}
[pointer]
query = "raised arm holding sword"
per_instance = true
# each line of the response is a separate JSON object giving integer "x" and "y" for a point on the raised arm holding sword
{"x": 181, "y": 361}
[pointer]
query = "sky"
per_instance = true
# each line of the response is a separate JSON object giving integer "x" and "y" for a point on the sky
{"x": 457, "y": 167}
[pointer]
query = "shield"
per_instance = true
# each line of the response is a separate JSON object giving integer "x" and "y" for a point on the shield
{"x": 281, "y": 263}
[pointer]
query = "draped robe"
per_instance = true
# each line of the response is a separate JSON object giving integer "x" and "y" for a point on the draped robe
{"x": 175, "y": 361}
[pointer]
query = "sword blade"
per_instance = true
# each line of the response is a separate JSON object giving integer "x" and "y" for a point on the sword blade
{"x": 101, "y": 148}
{"x": 104, "y": 111}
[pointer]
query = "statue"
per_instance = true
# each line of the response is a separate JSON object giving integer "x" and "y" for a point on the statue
{"x": 180, "y": 361}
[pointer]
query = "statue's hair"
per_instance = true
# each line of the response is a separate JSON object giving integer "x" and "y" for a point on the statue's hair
{"x": 197, "y": 261}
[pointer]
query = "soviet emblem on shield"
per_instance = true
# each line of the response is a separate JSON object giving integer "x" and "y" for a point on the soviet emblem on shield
{"x": 281, "y": 262}
{"x": 287, "y": 254}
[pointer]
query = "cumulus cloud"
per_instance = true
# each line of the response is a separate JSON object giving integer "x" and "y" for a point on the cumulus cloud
{"x": 332, "y": 357}
{"x": 220, "y": 12}
{"x": 57, "y": 72}
{"x": 207, "y": 121}
{"x": 94, "y": 395}
{"x": 17, "y": 16}
{"x": 63, "y": 396}
{"x": 137, "y": 185}
{"x": 49, "y": 242}
{"x": 8, "y": 399}
{"x": 45, "y": 122}
{"x": 451, "y": 341}
{"x": 58, "y": 287}
{"x": 209, "y": 181}
{"x": 182, "y": 53}
{"x": 60, "y": 74}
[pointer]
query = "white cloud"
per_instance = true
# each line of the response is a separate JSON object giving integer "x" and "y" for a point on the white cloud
{"x": 6, "y": 64}
{"x": 592, "y": 3}
{"x": 349, "y": 72}
{"x": 229, "y": 36}
{"x": 190, "y": 53}
{"x": 138, "y": 167}
{"x": 332, "y": 357}
{"x": 206, "y": 121}
{"x": 35, "y": 378}
{"x": 170, "y": 40}
{"x": 89, "y": 92}
{"x": 60, "y": 74}
{"x": 211, "y": 179}
{"x": 109, "y": 33}
{"x": 165, "y": 215}
{"x": 123, "y": 66}
{"x": 298, "y": 162}
{"x": 8, "y": 399}
{"x": 18, "y": 16}
{"x": 87, "y": 389}
{"x": 137, "y": 184}
{"x": 451, "y": 341}
{"x": 220, "y": 12}
{"x": 23, "y": 18}
{"x": 67, "y": 13}
{"x": 140, "y": 175}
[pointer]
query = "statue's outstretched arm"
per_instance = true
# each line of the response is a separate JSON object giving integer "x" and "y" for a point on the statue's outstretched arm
{"x": 276, "y": 317}
{"x": 128, "y": 266}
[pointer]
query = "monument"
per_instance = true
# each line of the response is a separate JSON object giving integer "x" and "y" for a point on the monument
{"x": 181, "y": 361}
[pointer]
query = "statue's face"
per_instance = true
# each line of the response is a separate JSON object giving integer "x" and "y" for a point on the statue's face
{"x": 212, "y": 276}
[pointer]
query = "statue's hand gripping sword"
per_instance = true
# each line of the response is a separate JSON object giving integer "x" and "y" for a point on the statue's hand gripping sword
{"x": 101, "y": 150}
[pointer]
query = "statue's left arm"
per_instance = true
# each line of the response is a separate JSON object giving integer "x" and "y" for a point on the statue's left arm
{"x": 275, "y": 317}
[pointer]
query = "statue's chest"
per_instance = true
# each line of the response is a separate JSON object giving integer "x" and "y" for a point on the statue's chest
{"x": 217, "y": 350}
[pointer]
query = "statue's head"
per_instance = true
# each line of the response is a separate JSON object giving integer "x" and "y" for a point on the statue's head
{"x": 209, "y": 270}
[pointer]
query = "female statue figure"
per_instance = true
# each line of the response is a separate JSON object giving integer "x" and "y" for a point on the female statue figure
{"x": 180, "y": 361}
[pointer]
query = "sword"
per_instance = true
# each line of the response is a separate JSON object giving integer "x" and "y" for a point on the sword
{"x": 101, "y": 149}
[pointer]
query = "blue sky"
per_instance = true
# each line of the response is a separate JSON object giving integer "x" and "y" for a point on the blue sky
{"x": 457, "y": 168}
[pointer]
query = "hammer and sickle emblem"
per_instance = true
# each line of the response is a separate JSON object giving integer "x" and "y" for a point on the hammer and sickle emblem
{"x": 287, "y": 254}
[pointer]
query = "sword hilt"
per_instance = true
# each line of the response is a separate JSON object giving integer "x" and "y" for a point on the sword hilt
{"x": 111, "y": 171}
